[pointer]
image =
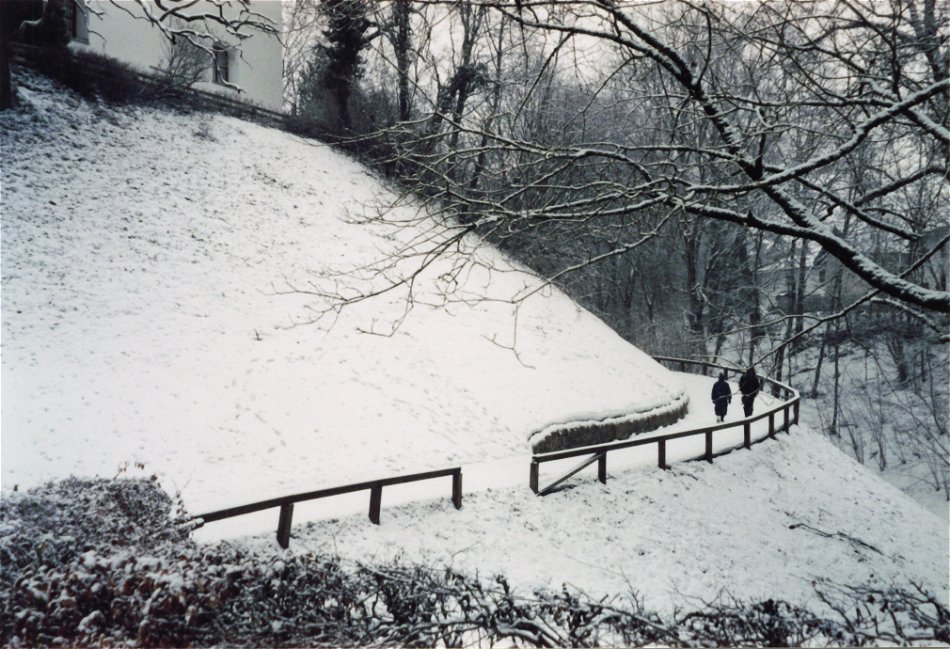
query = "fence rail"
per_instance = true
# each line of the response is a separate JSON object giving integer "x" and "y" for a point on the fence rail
{"x": 598, "y": 452}
{"x": 102, "y": 66}
{"x": 375, "y": 487}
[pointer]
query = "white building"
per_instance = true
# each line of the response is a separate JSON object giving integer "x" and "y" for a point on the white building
{"x": 120, "y": 30}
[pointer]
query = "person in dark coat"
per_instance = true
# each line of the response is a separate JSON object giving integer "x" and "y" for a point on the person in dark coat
{"x": 721, "y": 397}
{"x": 749, "y": 387}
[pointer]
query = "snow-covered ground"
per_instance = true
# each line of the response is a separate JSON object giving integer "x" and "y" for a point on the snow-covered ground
{"x": 144, "y": 255}
{"x": 759, "y": 524}
{"x": 144, "y": 259}
{"x": 891, "y": 428}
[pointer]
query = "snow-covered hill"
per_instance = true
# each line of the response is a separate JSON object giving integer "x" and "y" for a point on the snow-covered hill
{"x": 145, "y": 257}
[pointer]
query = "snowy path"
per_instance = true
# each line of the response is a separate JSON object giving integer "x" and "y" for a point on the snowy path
{"x": 513, "y": 471}
{"x": 767, "y": 523}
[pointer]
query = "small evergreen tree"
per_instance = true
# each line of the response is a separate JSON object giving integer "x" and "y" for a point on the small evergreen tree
{"x": 345, "y": 33}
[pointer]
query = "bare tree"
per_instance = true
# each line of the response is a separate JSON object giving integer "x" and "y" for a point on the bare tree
{"x": 185, "y": 63}
{"x": 859, "y": 81}
{"x": 301, "y": 26}
{"x": 234, "y": 20}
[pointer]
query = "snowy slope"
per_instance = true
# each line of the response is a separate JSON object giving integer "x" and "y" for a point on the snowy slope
{"x": 766, "y": 523}
{"x": 145, "y": 256}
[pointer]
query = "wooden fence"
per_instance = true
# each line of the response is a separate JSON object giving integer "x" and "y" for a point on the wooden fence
{"x": 101, "y": 66}
{"x": 598, "y": 453}
{"x": 375, "y": 488}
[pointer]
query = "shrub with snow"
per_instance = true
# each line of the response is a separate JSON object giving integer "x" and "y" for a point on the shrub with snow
{"x": 103, "y": 563}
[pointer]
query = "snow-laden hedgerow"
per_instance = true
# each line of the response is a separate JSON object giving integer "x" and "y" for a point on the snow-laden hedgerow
{"x": 586, "y": 433}
{"x": 104, "y": 563}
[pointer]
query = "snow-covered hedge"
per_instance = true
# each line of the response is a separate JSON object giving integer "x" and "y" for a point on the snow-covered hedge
{"x": 585, "y": 433}
{"x": 103, "y": 563}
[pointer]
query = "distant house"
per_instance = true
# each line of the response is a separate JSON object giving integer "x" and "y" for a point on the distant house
{"x": 931, "y": 274}
{"x": 778, "y": 274}
{"x": 250, "y": 70}
{"x": 822, "y": 270}
{"x": 934, "y": 272}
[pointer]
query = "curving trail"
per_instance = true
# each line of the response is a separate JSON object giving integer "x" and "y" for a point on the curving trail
{"x": 512, "y": 472}
{"x": 754, "y": 525}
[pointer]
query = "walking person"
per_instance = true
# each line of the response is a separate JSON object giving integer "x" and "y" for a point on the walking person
{"x": 749, "y": 387}
{"x": 721, "y": 397}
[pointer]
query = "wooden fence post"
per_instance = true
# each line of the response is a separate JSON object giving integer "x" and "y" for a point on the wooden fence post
{"x": 457, "y": 489}
{"x": 533, "y": 479}
{"x": 661, "y": 451}
{"x": 602, "y": 468}
{"x": 786, "y": 426}
{"x": 747, "y": 435}
{"x": 375, "y": 498}
{"x": 797, "y": 402}
{"x": 709, "y": 451}
{"x": 771, "y": 424}
{"x": 283, "y": 525}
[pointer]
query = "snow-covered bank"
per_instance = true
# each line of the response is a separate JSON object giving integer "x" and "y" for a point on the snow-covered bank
{"x": 143, "y": 255}
{"x": 766, "y": 523}
{"x": 893, "y": 428}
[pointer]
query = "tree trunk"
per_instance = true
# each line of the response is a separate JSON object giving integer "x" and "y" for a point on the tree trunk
{"x": 696, "y": 305}
{"x": 343, "y": 106}
{"x": 837, "y": 376}
{"x": 755, "y": 316}
{"x": 821, "y": 357}
{"x": 6, "y": 78}
{"x": 459, "y": 110}
{"x": 800, "y": 290}
{"x": 401, "y": 15}
{"x": 495, "y": 103}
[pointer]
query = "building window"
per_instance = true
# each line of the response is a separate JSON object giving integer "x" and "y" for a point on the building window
{"x": 69, "y": 9}
{"x": 73, "y": 16}
{"x": 220, "y": 65}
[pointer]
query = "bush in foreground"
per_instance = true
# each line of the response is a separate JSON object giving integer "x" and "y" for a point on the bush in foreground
{"x": 102, "y": 562}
